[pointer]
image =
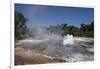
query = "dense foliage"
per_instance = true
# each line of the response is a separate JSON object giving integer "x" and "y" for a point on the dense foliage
{"x": 85, "y": 30}
{"x": 20, "y": 25}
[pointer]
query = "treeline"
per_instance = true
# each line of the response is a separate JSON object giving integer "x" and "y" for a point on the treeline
{"x": 85, "y": 30}
{"x": 21, "y": 30}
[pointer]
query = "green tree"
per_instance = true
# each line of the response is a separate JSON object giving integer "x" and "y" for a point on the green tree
{"x": 20, "y": 25}
{"x": 87, "y": 29}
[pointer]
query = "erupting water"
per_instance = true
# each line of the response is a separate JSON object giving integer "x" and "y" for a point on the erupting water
{"x": 68, "y": 40}
{"x": 67, "y": 48}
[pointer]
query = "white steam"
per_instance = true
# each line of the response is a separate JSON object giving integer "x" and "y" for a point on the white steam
{"x": 59, "y": 47}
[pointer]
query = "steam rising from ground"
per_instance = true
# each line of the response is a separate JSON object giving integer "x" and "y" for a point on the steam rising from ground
{"x": 56, "y": 46}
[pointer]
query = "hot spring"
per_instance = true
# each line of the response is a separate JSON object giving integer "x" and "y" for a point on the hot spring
{"x": 67, "y": 48}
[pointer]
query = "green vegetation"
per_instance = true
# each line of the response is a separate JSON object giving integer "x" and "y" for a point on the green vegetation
{"x": 20, "y": 25}
{"x": 85, "y": 30}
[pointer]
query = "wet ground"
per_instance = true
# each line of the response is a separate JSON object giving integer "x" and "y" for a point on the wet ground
{"x": 81, "y": 50}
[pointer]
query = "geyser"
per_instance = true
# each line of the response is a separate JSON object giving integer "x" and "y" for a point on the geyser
{"x": 68, "y": 40}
